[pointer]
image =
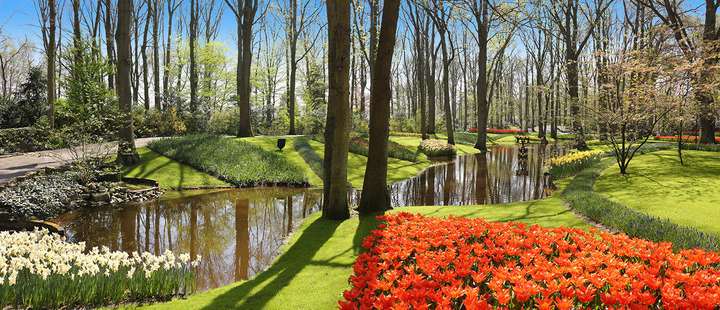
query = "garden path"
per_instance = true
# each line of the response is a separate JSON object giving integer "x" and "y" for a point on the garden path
{"x": 13, "y": 166}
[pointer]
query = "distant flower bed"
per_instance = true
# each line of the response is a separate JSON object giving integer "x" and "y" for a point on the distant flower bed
{"x": 435, "y": 148}
{"x": 570, "y": 164}
{"x": 40, "y": 270}
{"x": 458, "y": 263}
{"x": 675, "y": 138}
{"x": 491, "y": 130}
{"x": 360, "y": 145}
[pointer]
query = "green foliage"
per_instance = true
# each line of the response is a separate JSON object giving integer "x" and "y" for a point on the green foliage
{"x": 224, "y": 122}
{"x": 234, "y": 161}
{"x": 168, "y": 122}
{"x": 87, "y": 94}
{"x": 29, "y": 103}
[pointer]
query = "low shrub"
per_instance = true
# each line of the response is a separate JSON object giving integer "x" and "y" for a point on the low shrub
{"x": 416, "y": 262}
{"x": 435, "y": 148}
{"x": 565, "y": 166}
{"x": 580, "y": 195}
{"x": 233, "y": 161}
{"x": 40, "y": 270}
{"x": 42, "y": 197}
{"x": 306, "y": 151}
{"x": 360, "y": 145}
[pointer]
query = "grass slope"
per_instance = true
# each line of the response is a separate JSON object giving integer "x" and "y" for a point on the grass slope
{"x": 658, "y": 185}
{"x": 170, "y": 173}
{"x": 314, "y": 268}
{"x": 288, "y": 152}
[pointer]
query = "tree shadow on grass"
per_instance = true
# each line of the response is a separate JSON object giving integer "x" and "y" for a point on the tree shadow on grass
{"x": 300, "y": 255}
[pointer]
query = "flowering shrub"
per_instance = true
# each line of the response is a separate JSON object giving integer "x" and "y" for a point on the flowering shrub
{"x": 360, "y": 145}
{"x": 434, "y": 148}
{"x": 570, "y": 164}
{"x": 41, "y": 270}
{"x": 458, "y": 263}
{"x": 685, "y": 138}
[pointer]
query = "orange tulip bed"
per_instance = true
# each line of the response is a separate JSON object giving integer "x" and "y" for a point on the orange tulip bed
{"x": 416, "y": 262}
{"x": 685, "y": 138}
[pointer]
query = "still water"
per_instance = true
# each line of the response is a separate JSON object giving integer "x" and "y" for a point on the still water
{"x": 239, "y": 231}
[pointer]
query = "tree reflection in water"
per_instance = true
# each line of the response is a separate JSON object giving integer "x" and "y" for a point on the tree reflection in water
{"x": 238, "y": 232}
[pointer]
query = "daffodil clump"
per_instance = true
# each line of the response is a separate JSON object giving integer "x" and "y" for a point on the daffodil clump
{"x": 570, "y": 164}
{"x": 434, "y": 148}
{"x": 40, "y": 270}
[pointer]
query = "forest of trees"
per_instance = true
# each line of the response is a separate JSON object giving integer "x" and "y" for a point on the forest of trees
{"x": 314, "y": 67}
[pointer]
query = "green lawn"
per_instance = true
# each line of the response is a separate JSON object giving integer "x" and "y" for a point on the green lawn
{"x": 170, "y": 173}
{"x": 658, "y": 185}
{"x": 289, "y": 153}
{"x": 314, "y": 268}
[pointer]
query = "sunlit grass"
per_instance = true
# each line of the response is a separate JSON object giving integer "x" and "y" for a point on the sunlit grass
{"x": 170, "y": 173}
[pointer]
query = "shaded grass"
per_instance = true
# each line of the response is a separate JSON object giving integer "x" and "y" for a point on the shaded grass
{"x": 170, "y": 173}
{"x": 658, "y": 185}
{"x": 314, "y": 268}
{"x": 288, "y": 152}
{"x": 235, "y": 161}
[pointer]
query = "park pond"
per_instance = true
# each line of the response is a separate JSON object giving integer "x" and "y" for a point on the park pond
{"x": 238, "y": 232}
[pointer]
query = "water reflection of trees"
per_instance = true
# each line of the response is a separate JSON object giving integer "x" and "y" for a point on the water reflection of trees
{"x": 238, "y": 232}
{"x": 482, "y": 178}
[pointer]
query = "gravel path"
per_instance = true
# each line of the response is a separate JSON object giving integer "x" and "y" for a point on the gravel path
{"x": 12, "y": 166}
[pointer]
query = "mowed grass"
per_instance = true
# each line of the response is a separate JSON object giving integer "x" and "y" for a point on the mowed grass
{"x": 314, "y": 267}
{"x": 171, "y": 174}
{"x": 288, "y": 152}
{"x": 656, "y": 184}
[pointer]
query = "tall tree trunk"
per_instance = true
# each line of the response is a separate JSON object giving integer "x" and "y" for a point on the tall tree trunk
{"x": 337, "y": 129}
{"x": 482, "y": 88}
{"x": 420, "y": 72}
{"x": 375, "y": 195}
{"x": 127, "y": 155}
{"x": 293, "y": 64}
{"x": 143, "y": 52}
{"x": 446, "y": 88}
{"x": 110, "y": 42}
{"x": 51, "y": 64}
{"x": 156, "y": 54}
{"x": 193, "y": 62}
{"x": 430, "y": 83}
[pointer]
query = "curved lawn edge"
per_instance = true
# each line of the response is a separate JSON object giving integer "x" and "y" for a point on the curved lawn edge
{"x": 580, "y": 195}
{"x": 171, "y": 174}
